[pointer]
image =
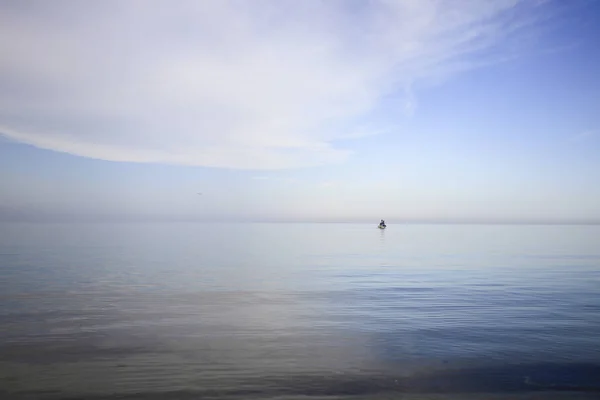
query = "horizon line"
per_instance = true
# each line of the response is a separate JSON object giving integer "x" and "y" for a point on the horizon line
{"x": 392, "y": 221}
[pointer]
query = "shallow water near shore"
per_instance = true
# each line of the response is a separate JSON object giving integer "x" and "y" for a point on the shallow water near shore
{"x": 290, "y": 311}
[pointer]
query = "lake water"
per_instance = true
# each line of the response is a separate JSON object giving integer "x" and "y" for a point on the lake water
{"x": 299, "y": 311}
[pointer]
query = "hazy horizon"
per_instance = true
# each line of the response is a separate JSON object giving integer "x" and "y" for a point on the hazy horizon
{"x": 300, "y": 111}
{"x": 55, "y": 218}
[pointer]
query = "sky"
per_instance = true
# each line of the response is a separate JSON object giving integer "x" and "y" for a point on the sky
{"x": 268, "y": 110}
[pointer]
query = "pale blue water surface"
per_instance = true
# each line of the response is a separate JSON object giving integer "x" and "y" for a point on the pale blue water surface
{"x": 264, "y": 311}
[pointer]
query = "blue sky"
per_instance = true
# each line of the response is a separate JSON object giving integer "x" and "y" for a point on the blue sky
{"x": 427, "y": 110}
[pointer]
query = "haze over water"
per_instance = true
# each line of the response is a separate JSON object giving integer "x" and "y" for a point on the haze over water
{"x": 176, "y": 310}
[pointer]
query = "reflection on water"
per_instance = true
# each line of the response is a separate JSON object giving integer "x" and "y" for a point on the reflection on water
{"x": 281, "y": 311}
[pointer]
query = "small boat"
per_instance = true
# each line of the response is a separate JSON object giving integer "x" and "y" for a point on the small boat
{"x": 381, "y": 225}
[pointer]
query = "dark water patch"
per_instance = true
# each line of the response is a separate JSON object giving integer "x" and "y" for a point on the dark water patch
{"x": 44, "y": 354}
{"x": 509, "y": 379}
{"x": 490, "y": 379}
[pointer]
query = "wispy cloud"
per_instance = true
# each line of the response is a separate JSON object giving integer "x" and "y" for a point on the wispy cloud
{"x": 239, "y": 84}
{"x": 274, "y": 179}
{"x": 327, "y": 184}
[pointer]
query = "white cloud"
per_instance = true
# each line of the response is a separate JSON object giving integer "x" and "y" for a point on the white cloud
{"x": 240, "y": 84}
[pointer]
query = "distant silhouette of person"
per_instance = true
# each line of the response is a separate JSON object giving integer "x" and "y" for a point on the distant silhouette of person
{"x": 382, "y": 223}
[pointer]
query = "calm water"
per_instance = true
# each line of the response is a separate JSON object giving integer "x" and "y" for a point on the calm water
{"x": 286, "y": 311}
